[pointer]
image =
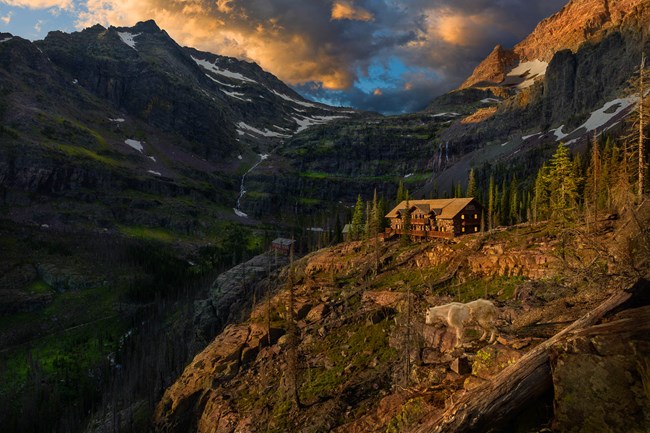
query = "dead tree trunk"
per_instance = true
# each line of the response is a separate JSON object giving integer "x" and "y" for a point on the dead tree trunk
{"x": 512, "y": 388}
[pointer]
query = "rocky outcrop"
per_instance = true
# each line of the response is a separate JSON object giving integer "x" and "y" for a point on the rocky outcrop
{"x": 534, "y": 263}
{"x": 232, "y": 293}
{"x": 601, "y": 382}
{"x": 192, "y": 404}
{"x": 493, "y": 69}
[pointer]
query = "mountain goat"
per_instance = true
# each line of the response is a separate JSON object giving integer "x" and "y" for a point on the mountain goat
{"x": 455, "y": 315}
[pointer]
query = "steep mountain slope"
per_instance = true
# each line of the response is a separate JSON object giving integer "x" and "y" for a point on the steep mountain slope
{"x": 128, "y": 116}
{"x": 366, "y": 362}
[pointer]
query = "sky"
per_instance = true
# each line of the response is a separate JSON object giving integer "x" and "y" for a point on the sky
{"x": 389, "y": 56}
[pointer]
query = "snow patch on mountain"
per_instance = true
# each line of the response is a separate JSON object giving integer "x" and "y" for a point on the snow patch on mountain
{"x": 608, "y": 111}
{"x": 295, "y": 101}
{"x": 559, "y": 135}
{"x": 221, "y": 83}
{"x": 6, "y": 39}
{"x": 526, "y": 137}
{"x": 524, "y": 74}
{"x": 237, "y": 95}
{"x": 135, "y": 144}
{"x": 445, "y": 115}
{"x": 306, "y": 122}
{"x": 155, "y": 173}
{"x": 212, "y": 67}
{"x": 243, "y": 128}
{"x": 129, "y": 38}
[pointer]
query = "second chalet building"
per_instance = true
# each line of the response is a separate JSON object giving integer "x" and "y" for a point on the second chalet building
{"x": 436, "y": 218}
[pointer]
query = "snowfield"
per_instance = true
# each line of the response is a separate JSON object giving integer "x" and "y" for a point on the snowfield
{"x": 129, "y": 38}
{"x": 135, "y": 144}
{"x": 295, "y": 101}
{"x": 524, "y": 74}
{"x": 243, "y": 127}
{"x": 223, "y": 72}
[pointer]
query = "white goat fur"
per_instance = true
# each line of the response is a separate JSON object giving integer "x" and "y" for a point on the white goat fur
{"x": 457, "y": 315}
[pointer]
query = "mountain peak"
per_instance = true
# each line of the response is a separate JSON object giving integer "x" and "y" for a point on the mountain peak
{"x": 577, "y": 22}
{"x": 148, "y": 26}
{"x": 493, "y": 69}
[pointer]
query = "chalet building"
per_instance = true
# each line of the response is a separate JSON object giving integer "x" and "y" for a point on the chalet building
{"x": 436, "y": 218}
{"x": 282, "y": 245}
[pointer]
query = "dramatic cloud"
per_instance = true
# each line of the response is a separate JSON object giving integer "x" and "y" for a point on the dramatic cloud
{"x": 342, "y": 10}
{"x": 336, "y": 50}
{"x": 39, "y": 4}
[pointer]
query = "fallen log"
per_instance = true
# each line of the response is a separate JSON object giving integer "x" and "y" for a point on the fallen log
{"x": 509, "y": 391}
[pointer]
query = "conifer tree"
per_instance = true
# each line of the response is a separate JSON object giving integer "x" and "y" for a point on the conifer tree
{"x": 563, "y": 185}
{"x": 375, "y": 228}
{"x": 594, "y": 182}
{"x": 367, "y": 227}
{"x": 336, "y": 237}
{"x": 643, "y": 72}
{"x": 491, "y": 203}
{"x": 504, "y": 208}
{"x": 471, "y": 190}
{"x": 622, "y": 190}
{"x": 514, "y": 202}
{"x": 401, "y": 193}
{"x": 406, "y": 220}
{"x": 357, "y": 220}
{"x": 540, "y": 203}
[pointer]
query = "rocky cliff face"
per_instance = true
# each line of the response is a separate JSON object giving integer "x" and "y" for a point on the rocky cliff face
{"x": 579, "y": 22}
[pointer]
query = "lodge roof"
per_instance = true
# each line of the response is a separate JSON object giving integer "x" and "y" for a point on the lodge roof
{"x": 445, "y": 208}
{"x": 283, "y": 242}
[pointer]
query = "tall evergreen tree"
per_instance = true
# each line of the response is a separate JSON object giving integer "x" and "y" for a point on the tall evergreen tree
{"x": 563, "y": 185}
{"x": 622, "y": 189}
{"x": 540, "y": 203}
{"x": 594, "y": 186}
{"x": 356, "y": 228}
{"x": 643, "y": 72}
{"x": 401, "y": 193}
{"x": 336, "y": 236}
{"x": 472, "y": 190}
{"x": 406, "y": 221}
{"x": 515, "y": 217}
{"x": 504, "y": 206}
{"x": 491, "y": 203}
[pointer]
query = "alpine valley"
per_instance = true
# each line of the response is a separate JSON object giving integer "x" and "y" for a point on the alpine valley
{"x": 142, "y": 184}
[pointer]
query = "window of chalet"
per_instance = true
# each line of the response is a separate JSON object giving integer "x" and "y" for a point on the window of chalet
{"x": 462, "y": 217}
{"x": 475, "y": 229}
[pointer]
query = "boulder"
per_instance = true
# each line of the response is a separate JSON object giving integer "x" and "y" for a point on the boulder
{"x": 490, "y": 360}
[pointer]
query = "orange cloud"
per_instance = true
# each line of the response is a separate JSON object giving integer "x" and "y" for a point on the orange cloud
{"x": 291, "y": 56}
{"x": 458, "y": 29}
{"x": 377, "y": 92}
{"x": 408, "y": 86}
{"x": 40, "y": 4}
{"x": 343, "y": 10}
